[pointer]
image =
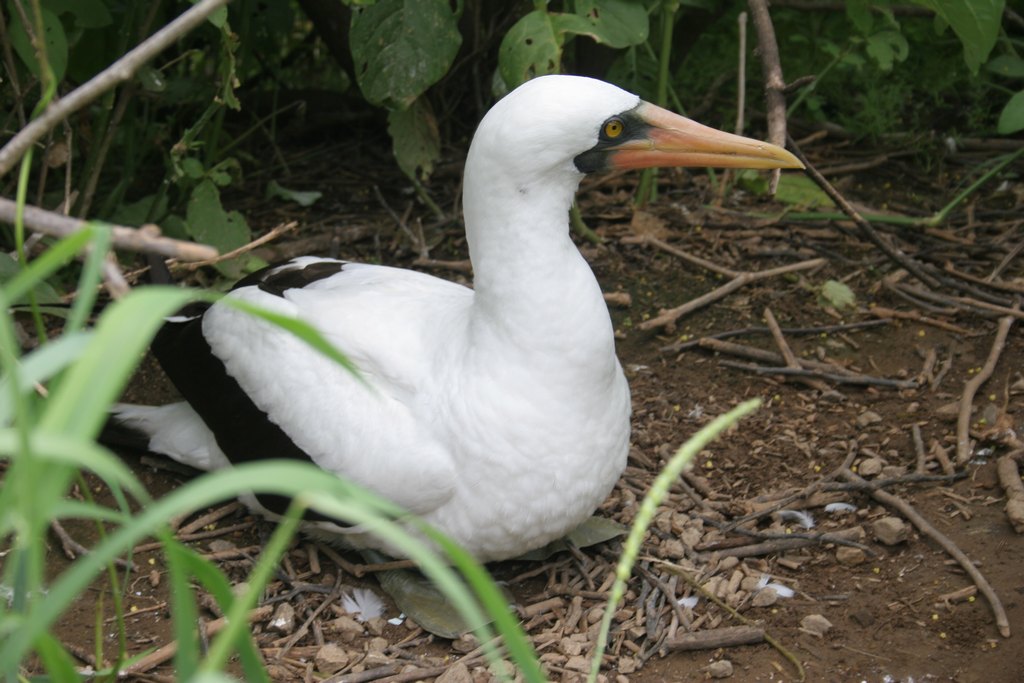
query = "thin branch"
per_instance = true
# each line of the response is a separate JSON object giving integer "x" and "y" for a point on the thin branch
{"x": 908, "y": 511}
{"x": 912, "y": 266}
{"x": 774, "y": 85}
{"x": 273, "y": 234}
{"x": 963, "y": 423}
{"x": 146, "y": 239}
{"x": 119, "y": 71}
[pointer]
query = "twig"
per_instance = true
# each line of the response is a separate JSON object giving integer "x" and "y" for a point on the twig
{"x": 1009, "y": 478}
{"x": 883, "y": 312}
{"x": 963, "y": 422}
{"x": 744, "y": 331}
{"x": 869, "y": 231}
{"x": 726, "y": 636}
{"x": 922, "y": 456}
{"x": 146, "y": 239}
{"x": 121, "y": 70}
{"x": 165, "y": 653}
{"x": 845, "y": 537}
{"x": 668, "y": 317}
{"x": 774, "y": 84}
{"x": 209, "y": 518}
{"x": 857, "y": 380}
{"x": 73, "y": 549}
{"x": 273, "y": 234}
{"x": 947, "y": 544}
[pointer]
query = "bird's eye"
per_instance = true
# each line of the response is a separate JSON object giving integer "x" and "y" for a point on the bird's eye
{"x": 613, "y": 128}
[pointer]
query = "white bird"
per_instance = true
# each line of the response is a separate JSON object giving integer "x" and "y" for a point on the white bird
{"x": 500, "y": 414}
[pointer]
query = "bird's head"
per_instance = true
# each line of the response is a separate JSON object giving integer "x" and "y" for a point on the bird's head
{"x": 582, "y": 125}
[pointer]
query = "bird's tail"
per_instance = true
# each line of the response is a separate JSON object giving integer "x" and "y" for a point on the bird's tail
{"x": 174, "y": 430}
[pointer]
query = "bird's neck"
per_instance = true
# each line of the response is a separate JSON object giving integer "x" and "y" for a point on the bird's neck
{"x": 530, "y": 279}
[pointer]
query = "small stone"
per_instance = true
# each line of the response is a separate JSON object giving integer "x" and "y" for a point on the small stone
{"x": 690, "y": 536}
{"x": 815, "y": 624}
{"x": 870, "y": 467}
{"x": 862, "y": 618}
{"x": 850, "y": 557}
{"x": 154, "y": 578}
{"x": 467, "y": 642}
{"x": 348, "y": 627}
{"x": 377, "y": 645}
{"x": 868, "y": 417}
{"x": 890, "y": 530}
{"x": 672, "y": 549}
{"x": 219, "y": 545}
{"x": 720, "y": 669}
{"x": 766, "y": 597}
{"x": 376, "y": 625}
{"x": 330, "y": 659}
{"x": 893, "y": 471}
{"x": 456, "y": 673}
{"x": 626, "y": 665}
{"x": 283, "y": 620}
{"x": 570, "y": 647}
{"x": 578, "y": 663}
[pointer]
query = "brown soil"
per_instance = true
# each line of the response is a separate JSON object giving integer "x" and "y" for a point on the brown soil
{"x": 890, "y": 619}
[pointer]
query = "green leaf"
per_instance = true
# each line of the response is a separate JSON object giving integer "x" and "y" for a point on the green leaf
{"x": 837, "y": 295}
{"x": 975, "y": 22}
{"x": 1010, "y": 66}
{"x": 415, "y": 138}
{"x": 55, "y": 39}
{"x": 615, "y": 23}
{"x": 886, "y": 48}
{"x": 44, "y": 292}
{"x": 87, "y": 13}
{"x": 209, "y": 223}
{"x": 530, "y": 48}
{"x": 307, "y": 198}
{"x": 798, "y": 190}
{"x": 1011, "y": 119}
{"x": 859, "y": 14}
{"x": 402, "y": 47}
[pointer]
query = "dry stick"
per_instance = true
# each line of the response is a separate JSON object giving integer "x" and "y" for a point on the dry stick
{"x": 774, "y": 85}
{"x": 667, "y": 317}
{"x": 856, "y": 380}
{"x": 1009, "y": 478}
{"x": 787, "y": 353}
{"x": 685, "y": 576}
{"x": 166, "y": 652}
{"x": 209, "y": 518}
{"x": 963, "y": 421}
{"x": 271, "y": 235}
{"x": 912, "y": 266}
{"x": 922, "y": 456}
{"x": 146, "y": 239}
{"x": 119, "y": 71}
{"x": 925, "y": 527}
{"x": 844, "y": 537}
{"x": 684, "y": 255}
{"x": 884, "y": 312}
{"x": 727, "y": 636}
{"x": 754, "y": 353}
{"x": 746, "y": 331}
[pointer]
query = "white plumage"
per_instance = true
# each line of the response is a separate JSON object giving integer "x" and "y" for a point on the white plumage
{"x": 499, "y": 414}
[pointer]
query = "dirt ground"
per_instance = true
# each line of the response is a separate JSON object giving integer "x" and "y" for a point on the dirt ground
{"x": 898, "y": 611}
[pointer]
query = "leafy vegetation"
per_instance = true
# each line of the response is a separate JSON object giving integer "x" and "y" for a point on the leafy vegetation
{"x": 166, "y": 146}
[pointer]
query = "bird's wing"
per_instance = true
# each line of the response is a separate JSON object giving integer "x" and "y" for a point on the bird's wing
{"x": 379, "y": 432}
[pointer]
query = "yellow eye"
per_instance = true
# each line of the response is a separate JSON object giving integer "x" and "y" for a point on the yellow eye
{"x": 613, "y": 128}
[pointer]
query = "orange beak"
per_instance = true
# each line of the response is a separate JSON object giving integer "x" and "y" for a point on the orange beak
{"x": 675, "y": 140}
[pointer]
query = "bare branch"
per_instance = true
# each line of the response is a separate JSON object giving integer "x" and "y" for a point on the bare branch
{"x": 119, "y": 71}
{"x": 146, "y": 239}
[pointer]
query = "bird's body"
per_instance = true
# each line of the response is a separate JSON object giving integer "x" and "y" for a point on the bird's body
{"x": 499, "y": 414}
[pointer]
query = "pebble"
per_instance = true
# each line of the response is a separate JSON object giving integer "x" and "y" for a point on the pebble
{"x": 283, "y": 620}
{"x": 850, "y": 557}
{"x": 868, "y": 417}
{"x": 330, "y": 659}
{"x": 456, "y": 673}
{"x": 219, "y": 545}
{"x": 720, "y": 669}
{"x": 869, "y": 467}
{"x": 765, "y": 597}
{"x": 815, "y": 624}
{"x": 890, "y": 530}
{"x": 348, "y": 627}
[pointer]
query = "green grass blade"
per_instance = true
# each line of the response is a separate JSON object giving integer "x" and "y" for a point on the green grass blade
{"x": 56, "y": 660}
{"x": 89, "y": 279}
{"x": 183, "y": 610}
{"x": 79, "y": 405}
{"x": 38, "y": 367}
{"x": 649, "y": 507}
{"x": 46, "y": 264}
